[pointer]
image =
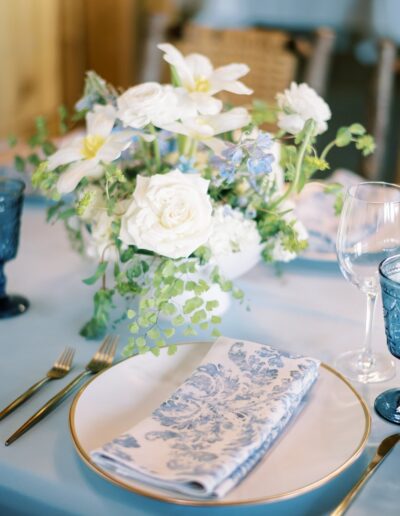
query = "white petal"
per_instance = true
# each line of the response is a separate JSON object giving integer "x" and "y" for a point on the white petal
{"x": 206, "y": 104}
{"x": 101, "y": 120}
{"x": 69, "y": 179}
{"x": 112, "y": 149}
{"x": 237, "y": 87}
{"x": 231, "y": 72}
{"x": 199, "y": 65}
{"x": 216, "y": 144}
{"x": 229, "y": 121}
{"x": 175, "y": 127}
{"x": 66, "y": 155}
{"x": 176, "y": 59}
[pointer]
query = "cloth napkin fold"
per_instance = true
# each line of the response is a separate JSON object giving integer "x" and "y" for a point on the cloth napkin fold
{"x": 315, "y": 210}
{"x": 218, "y": 424}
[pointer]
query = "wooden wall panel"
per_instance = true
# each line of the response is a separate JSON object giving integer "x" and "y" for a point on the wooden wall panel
{"x": 114, "y": 39}
{"x": 30, "y": 79}
{"x": 47, "y": 45}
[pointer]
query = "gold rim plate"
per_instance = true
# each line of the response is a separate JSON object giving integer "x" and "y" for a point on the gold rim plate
{"x": 173, "y": 498}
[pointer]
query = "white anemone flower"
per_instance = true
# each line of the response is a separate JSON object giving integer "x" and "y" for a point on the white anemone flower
{"x": 199, "y": 78}
{"x": 205, "y": 128}
{"x": 84, "y": 153}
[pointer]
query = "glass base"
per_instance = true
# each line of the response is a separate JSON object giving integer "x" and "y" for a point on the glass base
{"x": 382, "y": 367}
{"x": 10, "y": 306}
{"x": 387, "y": 405}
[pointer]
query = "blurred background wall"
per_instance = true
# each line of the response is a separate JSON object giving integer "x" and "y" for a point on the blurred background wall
{"x": 346, "y": 49}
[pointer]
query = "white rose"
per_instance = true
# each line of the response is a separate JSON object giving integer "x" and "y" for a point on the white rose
{"x": 147, "y": 103}
{"x": 100, "y": 245}
{"x": 95, "y": 202}
{"x": 298, "y": 104}
{"x": 170, "y": 214}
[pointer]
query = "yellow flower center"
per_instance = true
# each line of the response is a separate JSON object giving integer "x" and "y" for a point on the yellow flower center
{"x": 202, "y": 85}
{"x": 91, "y": 145}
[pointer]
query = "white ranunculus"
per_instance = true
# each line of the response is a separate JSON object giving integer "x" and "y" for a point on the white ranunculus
{"x": 298, "y": 104}
{"x": 232, "y": 232}
{"x": 170, "y": 214}
{"x": 100, "y": 245}
{"x": 153, "y": 103}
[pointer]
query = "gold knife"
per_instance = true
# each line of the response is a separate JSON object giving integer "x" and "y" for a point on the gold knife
{"x": 382, "y": 451}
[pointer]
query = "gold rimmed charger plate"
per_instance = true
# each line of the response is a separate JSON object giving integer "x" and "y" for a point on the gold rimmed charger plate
{"x": 327, "y": 436}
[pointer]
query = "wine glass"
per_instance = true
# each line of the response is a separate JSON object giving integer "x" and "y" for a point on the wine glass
{"x": 387, "y": 404}
{"x": 369, "y": 231}
{"x": 11, "y": 200}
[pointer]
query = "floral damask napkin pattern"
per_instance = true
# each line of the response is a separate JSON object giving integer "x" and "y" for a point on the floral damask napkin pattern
{"x": 218, "y": 424}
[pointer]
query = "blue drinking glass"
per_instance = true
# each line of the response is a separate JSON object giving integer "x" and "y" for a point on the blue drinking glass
{"x": 387, "y": 404}
{"x": 11, "y": 201}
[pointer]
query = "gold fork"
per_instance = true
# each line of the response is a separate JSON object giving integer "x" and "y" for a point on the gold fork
{"x": 102, "y": 359}
{"x": 61, "y": 368}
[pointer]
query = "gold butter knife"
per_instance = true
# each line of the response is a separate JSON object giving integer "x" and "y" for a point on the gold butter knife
{"x": 382, "y": 451}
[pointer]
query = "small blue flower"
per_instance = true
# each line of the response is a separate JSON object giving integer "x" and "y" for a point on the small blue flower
{"x": 264, "y": 140}
{"x": 166, "y": 142}
{"x": 227, "y": 173}
{"x": 186, "y": 165}
{"x": 233, "y": 154}
{"x": 260, "y": 165}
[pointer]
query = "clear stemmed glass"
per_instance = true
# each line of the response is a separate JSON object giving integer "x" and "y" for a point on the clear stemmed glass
{"x": 11, "y": 200}
{"x": 369, "y": 232}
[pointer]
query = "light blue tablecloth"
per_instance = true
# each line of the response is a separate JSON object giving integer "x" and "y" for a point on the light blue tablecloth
{"x": 310, "y": 308}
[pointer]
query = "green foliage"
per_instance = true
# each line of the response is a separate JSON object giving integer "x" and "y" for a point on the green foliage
{"x": 262, "y": 113}
{"x": 98, "y": 324}
{"x": 100, "y": 271}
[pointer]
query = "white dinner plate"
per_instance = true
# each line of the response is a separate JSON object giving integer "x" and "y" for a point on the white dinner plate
{"x": 327, "y": 435}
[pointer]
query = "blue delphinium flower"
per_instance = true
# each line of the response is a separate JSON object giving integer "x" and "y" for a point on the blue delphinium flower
{"x": 227, "y": 172}
{"x": 166, "y": 142}
{"x": 260, "y": 164}
{"x": 186, "y": 165}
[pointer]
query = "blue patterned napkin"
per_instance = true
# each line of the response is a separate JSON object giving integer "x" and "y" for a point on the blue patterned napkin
{"x": 218, "y": 424}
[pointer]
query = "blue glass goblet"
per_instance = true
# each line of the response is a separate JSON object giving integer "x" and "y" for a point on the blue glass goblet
{"x": 11, "y": 200}
{"x": 387, "y": 404}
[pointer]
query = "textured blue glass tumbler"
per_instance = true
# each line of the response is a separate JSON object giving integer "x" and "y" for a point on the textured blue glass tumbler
{"x": 11, "y": 201}
{"x": 387, "y": 404}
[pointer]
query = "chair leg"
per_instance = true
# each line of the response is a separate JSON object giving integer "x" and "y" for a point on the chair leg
{"x": 373, "y": 166}
{"x": 317, "y": 70}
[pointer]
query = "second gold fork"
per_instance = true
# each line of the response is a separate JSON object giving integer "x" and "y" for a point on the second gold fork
{"x": 102, "y": 359}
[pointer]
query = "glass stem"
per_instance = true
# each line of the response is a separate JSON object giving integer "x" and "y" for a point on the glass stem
{"x": 366, "y": 357}
{"x": 2, "y": 281}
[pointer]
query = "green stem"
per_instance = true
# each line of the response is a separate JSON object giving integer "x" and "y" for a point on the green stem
{"x": 327, "y": 149}
{"x": 156, "y": 148}
{"x": 309, "y": 131}
{"x": 193, "y": 148}
{"x": 144, "y": 149}
{"x": 186, "y": 148}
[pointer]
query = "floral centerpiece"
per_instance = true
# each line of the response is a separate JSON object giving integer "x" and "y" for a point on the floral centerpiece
{"x": 167, "y": 182}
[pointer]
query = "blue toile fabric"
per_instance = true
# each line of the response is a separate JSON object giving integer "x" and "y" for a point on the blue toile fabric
{"x": 218, "y": 424}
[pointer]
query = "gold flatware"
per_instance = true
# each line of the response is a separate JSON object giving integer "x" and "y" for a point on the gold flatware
{"x": 382, "y": 451}
{"x": 61, "y": 368}
{"x": 102, "y": 359}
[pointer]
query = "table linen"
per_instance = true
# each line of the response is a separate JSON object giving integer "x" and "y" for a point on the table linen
{"x": 308, "y": 308}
